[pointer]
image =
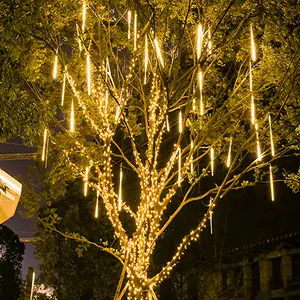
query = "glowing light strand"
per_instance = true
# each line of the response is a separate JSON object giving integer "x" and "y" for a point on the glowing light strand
{"x": 199, "y": 40}
{"x": 200, "y": 76}
{"x": 44, "y": 145}
{"x": 191, "y": 160}
{"x": 120, "y": 189}
{"x": 86, "y": 178}
{"x": 228, "y": 163}
{"x": 146, "y": 59}
{"x": 259, "y": 155}
{"x": 253, "y": 51}
{"x": 179, "y": 166}
{"x": 129, "y": 23}
{"x": 158, "y": 52}
{"x": 271, "y": 183}
{"x": 135, "y": 32}
{"x": 167, "y": 123}
{"x": 180, "y": 122}
{"x": 83, "y": 16}
{"x": 97, "y": 206}
{"x": 64, "y": 87}
{"x": 211, "y": 216}
{"x": 212, "y": 160}
{"x": 271, "y": 137}
{"x": 32, "y": 285}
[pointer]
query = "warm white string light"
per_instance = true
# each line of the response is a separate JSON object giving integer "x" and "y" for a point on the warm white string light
{"x": 86, "y": 178}
{"x": 271, "y": 137}
{"x": 211, "y": 216}
{"x": 192, "y": 149}
{"x": 251, "y": 95}
{"x": 120, "y": 189}
{"x": 32, "y": 285}
{"x": 229, "y": 154}
{"x": 146, "y": 59}
{"x": 88, "y": 73}
{"x": 212, "y": 160}
{"x": 180, "y": 122}
{"x": 64, "y": 87}
{"x": 179, "y": 166}
{"x": 167, "y": 123}
{"x": 135, "y": 32}
{"x": 271, "y": 183}
{"x": 97, "y": 206}
{"x": 200, "y": 76}
{"x": 253, "y": 51}
{"x": 44, "y": 145}
{"x": 72, "y": 118}
{"x": 199, "y": 40}
{"x": 129, "y": 23}
{"x": 83, "y": 16}
{"x": 259, "y": 155}
{"x": 158, "y": 52}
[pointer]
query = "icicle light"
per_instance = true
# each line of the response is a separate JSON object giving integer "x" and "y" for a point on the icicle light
{"x": 228, "y": 163}
{"x": 180, "y": 121}
{"x": 199, "y": 40}
{"x": 212, "y": 160}
{"x": 211, "y": 216}
{"x": 253, "y": 51}
{"x": 271, "y": 183}
{"x": 32, "y": 285}
{"x": 55, "y": 66}
{"x": 88, "y": 72}
{"x": 64, "y": 87}
{"x": 97, "y": 206}
{"x": 83, "y": 16}
{"x": 44, "y": 145}
{"x": 135, "y": 32}
{"x": 259, "y": 155}
{"x": 192, "y": 149}
{"x": 158, "y": 52}
{"x": 179, "y": 167}
{"x": 120, "y": 189}
{"x": 146, "y": 59}
{"x": 72, "y": 118}
{"x": 86, "y": 178}
{"x": 129, "y": 23}
{"x": 200, "y": 75}
{"x": 167, "y": 123}
{"x": 271, "y": 137}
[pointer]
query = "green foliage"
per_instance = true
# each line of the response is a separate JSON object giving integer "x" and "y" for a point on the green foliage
{"x": 74, "y": 268}
{"x": 11, "y": 256}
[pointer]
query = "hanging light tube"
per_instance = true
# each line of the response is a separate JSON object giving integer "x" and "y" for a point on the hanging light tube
{"x": 271, "y": 137}
{"x": 212, "y": 159}
{"x": 158, "y": 52}
{"x": 120, "y": 189}
{"x": 179, "y": 166}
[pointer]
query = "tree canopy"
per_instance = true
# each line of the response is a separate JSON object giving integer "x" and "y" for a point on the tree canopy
{"x": 157, "y": 106}
{"x": 11, "y": 256}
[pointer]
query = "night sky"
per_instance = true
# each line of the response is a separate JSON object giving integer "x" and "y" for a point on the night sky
{"x": 21, "y": 226}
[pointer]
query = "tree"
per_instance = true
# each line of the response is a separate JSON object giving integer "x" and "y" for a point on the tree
{"x": 75, "y": 270}
{"x": 160, "y": 97}
{"x": 11, "y": 256}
